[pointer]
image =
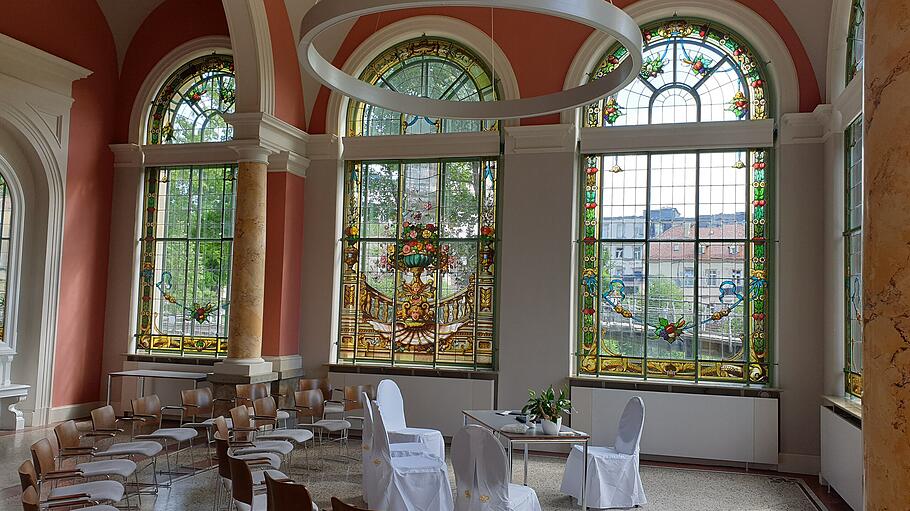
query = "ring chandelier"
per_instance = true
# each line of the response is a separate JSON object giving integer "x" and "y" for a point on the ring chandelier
{"x": 597, "y": 14}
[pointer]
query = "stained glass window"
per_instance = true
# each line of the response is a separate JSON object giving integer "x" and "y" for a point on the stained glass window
{"x": 674, "y": 266}
{"x": 853, "y": 257}
{"x": 694, "y": 71}
{"x": 856, "y": 39}
{"x": 191, "y": 104}
{"x": 428, "y": 67}
{"x": 418, "y": 281}
{"x": 185, "y": 273}
{"x": 6, "y": 231}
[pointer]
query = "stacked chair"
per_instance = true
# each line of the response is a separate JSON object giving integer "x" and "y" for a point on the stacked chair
{"x": 245, "y": 431}
{"x": 199, "y": 405}
{"x": 69, "y": 447}
{"x": 247, "y": 394}
{"x": 266, "y": 416}
{"x": 389, "y": 398}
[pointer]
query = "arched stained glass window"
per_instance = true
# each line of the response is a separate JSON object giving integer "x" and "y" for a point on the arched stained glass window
{"x": 674, "y": 247}
{"x": 856, "y": 39}
{"x": 694, "y": 71}
{"x": 853, "y": 257}
{"x": 6, "y": 236}
{"x": 191, "y": 104}
{"x": 429, "y": 67}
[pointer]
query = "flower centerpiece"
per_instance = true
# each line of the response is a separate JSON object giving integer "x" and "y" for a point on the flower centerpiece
{"x": 548, "y": 407}
{"x": 419, "y": 245}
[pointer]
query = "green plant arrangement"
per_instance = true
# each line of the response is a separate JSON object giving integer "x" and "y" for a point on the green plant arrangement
{"x": 547, "y": 405}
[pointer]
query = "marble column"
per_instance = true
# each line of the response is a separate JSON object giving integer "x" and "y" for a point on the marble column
{"x": 886, "y": 257}
{"x": 248, "y": 270}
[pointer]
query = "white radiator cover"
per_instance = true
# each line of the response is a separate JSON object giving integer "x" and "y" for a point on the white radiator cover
{"x": 698, "y": 426}
{"x": 429, "y": 401}
{"x": 842, "y": 457}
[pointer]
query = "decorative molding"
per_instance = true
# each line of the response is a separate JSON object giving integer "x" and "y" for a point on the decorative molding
{"x": 189, "y": 154}
{"x": 286, "y": 161}
{"x": 162, "y": 71}
{"x": 254, "y": 68}
{"x": 803, "y": 128}
{"x": 417, "y": 26}
{"x": 39, "y": 68}
{"x": 675, "y": 137}
{"x": 551, "y": 138}
{"x": 127, "y": 155}
{"x": 324, "y": 147}
{"x": 849, "y": 104}
{"x": 431, "y": 146}
{"x": 270, "y": 131}
{"x": 10, "y": 415}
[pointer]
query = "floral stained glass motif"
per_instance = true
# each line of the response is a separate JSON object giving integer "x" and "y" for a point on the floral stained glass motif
{"x": 694, "y": 71}
{"x": 428, "y": 67}
{"x": 674, "y": 267}
{"x": 856, "y": 39}
{"x": 419, "y": 263}
{"x": 186, "y": 246}
{"x": 191, "y": 104}
{"x": 853, "y": 257}
{"x": 6, "y": 239}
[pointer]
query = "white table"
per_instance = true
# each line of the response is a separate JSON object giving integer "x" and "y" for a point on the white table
{"x": 142, "y": 374}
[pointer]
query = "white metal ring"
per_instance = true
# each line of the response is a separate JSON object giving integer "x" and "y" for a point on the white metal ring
{"x": 597, "y": 14}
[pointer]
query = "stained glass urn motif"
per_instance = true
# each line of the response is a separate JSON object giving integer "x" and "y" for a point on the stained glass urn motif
{"x": 419, "y": 245}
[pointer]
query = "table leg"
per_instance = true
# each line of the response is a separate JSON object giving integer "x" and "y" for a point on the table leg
{"x": 510, "y": 461}
{"x": 108, "y": 389}
{"x": 142, "y": 387}
{"x": 526, "y": 465}
{"x": 584, "y": 481}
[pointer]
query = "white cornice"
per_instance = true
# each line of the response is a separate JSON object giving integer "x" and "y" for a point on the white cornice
{"x": 437, "y": 145}
{"x": 550, "y": 138}
{"x": 269, "y": 131}
{"x": 189, "y": 154}
{"x": 804, "y": 127}
{"x": 849, "y": 104}
{"x": 127, "y": 155}
{"x": 38, "y": 67}
{"x": 674, "y": 137}
{"x": 324, "y": 147}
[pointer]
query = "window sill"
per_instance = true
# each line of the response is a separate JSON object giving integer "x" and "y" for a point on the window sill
{"x": 677, "y": 387}
{"x": 844, "y": 405}
{"x": 171, "y": 359}
{"x": 465, "y": 374}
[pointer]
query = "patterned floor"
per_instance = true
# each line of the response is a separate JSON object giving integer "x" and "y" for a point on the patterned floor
{"x": 668, "y": 488}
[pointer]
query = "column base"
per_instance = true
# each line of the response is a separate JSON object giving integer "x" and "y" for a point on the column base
{"x": 243, "y": 367}
{"x": 11, "y": 418}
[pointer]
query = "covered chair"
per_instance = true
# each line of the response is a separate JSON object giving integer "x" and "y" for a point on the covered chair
{"x": 286, "y": 495}
{"x": 482, "y": 475}
{"x": 419, "y": 482}
{"x": 613, "y": 476}
{"x": 389, "y": 398}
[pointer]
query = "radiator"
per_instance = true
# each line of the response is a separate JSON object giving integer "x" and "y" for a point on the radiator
{"x": 429, "y": 401}
{"x": 703, "y": 427}
{"x": 842, "y": 456}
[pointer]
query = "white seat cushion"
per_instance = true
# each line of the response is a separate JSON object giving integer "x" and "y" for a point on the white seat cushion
{"x": 105, "y": 491}
{"x": 259, "y": 503}
{"x": 520, "y": 496}
{"x": 211, "y": 423}
{"x": 274, "y": 459}
{"x": 259, "y": 475}
{"x": 121, "y": 468}
{"x": 293, "y": 435}
{"x": 332, "y": 424}
{"x": 408, "y": 448}
{"x": 99, "y": 508}
{"x": 283, "y": 415}
{"x": 141, "y": 448}
{"x": 279, "y": 446}
{"x": 173, "y": 434}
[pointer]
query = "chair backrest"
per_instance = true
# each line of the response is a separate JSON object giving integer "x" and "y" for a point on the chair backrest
{"x": 352, "y": 396}
{"x": 240, "y": 417}
{"x": 310, "y": 404}
{"x": 198, "y": 402}
{"x": 321, "y": 384}
{"x": 367, "y": 432}
{"x": 241, "y": 481}
{"x": 67, "y": 434}
{"x": 221, "y": 427}
{"x": 104, "y": 418}
{"x": 628, "y": 437}
{"x": 221, "y": 453}
{"x": 283, "y": 495}
{"x": 266, "y": 407}
{"x": 43, "y": 457}
{"x": 249, "y": 392}
{"x": 389, "y": 397}
{"x": 147, "y": 405}
{"x": 338, "y": 505}
{"x": 28, "y": 476}
{"x": 30, "y": 499}
{"x": 481, "y": 468}
{"x": 380, "y": 448}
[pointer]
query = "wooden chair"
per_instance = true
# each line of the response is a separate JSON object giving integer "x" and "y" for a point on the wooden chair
{"x": 199, "y": 405}
{"x": 31, "y": 502}
{"x": 247, "y": 394}
{"x": 147, "y": 413}
{"x": 310, "y": 408}
{"x": 69, "y": 445}
{"x": 338, "y": 505}
{"x": 246, "y": 494}
{"x": 43, "y": 470}
{"x": 245, "y": 431}
{"x": 287, "y": 495}
{"x": 258, "y": 461}
{"x": 317, "y": 383}
{"x": 266, "y": 414}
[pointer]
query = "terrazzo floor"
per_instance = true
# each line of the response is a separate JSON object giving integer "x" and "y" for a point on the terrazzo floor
{"x": 668, "y": 488}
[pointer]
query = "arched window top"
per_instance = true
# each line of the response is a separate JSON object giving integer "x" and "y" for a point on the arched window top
{"x": 856, "y": 38}
{"x": 191, "y": 104}
{"x": 694, "y": 71}
{"x": 430, "y": 67}
{"x": 6, "y": 236}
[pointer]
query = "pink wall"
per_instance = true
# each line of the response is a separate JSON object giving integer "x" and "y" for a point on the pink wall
{"x": 289, "y": 106}
{"x": 166, "y": 28}
{"x": 555, "y": 42}
{"x": 77, "y": 31}
{"x": 283, "y": 264}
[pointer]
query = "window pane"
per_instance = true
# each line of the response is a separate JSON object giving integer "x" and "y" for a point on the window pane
{"x": 672, "y": 214}
{"x": 722, "y": 196}
{"x": 721, "y": 292}
{"x": 622, "y": 299}
{"x": 380, "y": 203}
{"x": 625, "y": 194}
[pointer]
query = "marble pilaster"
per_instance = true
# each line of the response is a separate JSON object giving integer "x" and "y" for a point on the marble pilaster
{"x": 886, "y": 257}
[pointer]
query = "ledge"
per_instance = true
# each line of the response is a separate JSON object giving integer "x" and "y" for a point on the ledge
{"x": 844, "y": 405}
{"x": 414, "y": 371}
{"x": 677, "y": 387}
{"x": 171, "y": 359}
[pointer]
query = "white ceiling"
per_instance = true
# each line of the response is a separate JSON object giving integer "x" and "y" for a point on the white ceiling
{"x": 810, "y": 19}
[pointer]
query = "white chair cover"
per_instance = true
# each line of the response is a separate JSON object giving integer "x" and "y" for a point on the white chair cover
{"x": 419, "y": 482}
{"x": 613, "y": 474}
{"x": 482, "y": 475}
{"x": 388, "y": 395}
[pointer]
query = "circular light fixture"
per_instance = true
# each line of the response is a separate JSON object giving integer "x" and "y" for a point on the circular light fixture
{"x": 597, "y": 14}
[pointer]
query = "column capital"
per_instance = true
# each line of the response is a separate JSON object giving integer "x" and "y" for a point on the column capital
{"x": 250, "y": 151}
{"x": 549, "y": 138}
